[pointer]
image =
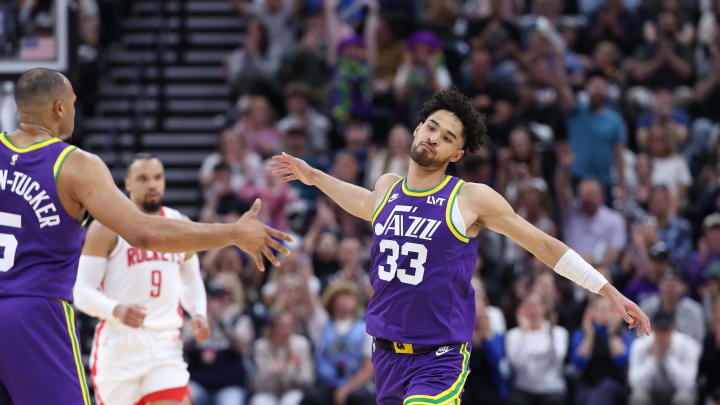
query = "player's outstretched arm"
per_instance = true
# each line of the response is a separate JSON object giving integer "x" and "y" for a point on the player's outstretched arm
{"x": 86, "y": 180}
{"x": 495, "y": 213}
{"x": 354, "y": 199}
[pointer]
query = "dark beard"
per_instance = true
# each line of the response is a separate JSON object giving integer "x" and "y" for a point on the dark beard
{"x": 422, "y": 156}
{"x": 151, "y": 206}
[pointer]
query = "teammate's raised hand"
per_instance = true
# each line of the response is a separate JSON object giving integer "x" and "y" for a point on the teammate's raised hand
{"x": 131, "y": 315}
{"x": 291, "y": 168}
{"x": 257, "y": 238}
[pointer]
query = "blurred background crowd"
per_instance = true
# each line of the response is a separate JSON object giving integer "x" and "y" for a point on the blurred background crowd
{"x": 603, "y": 122}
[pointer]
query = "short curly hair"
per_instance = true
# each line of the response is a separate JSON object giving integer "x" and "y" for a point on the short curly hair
{"x": 474, "y": 129}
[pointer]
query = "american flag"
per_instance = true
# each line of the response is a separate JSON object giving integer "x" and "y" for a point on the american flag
{"x": 37, "y": 48}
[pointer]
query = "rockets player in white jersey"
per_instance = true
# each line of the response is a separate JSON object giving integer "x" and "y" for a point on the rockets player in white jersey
{"x": 137, "y": 351}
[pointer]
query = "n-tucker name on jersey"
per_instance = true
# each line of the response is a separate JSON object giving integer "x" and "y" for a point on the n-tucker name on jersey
{"x": 31, "y": 191}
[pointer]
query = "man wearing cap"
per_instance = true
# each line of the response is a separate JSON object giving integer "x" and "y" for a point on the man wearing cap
{"x": 663, "y": 366}
{"x": 706, "y": 255}
{"x": 646, "y": 284}
{"x": 671, "y": 297}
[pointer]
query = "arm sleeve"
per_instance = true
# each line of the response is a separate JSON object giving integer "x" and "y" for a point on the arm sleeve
{"x": 87, "y": 294}
{"x": 193, "y": 297}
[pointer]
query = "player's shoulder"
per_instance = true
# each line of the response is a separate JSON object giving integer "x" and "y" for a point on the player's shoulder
{"x": 79, "y": 163}
{"x": 385, "y": 181}
{"x": 476, "y": 190}
{"x": 482, "y": 199}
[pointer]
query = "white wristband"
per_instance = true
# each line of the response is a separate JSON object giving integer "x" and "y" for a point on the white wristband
{"x": 572, "y": 266}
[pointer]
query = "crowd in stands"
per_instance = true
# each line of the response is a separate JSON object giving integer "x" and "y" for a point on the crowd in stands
{"x": 603, "y": 121}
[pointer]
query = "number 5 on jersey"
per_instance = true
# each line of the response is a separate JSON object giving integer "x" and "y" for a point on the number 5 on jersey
{"x": 395, "y": 251}
{"x": 8, "y": 242}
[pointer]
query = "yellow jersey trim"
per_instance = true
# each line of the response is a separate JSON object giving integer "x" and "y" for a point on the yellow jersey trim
{"x": 35, "y": 146}
{"x": 60, "y": 160}
{"x": 384, "y": 201}
{"x": 448, "y": 213}
{"x": 423, "y": 193}
{"x": 449, "y": 395}
{"x": 70, "y": 318}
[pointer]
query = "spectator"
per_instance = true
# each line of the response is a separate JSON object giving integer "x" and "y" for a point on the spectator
{"x": 600, "y": 352}
{"x": 689, "y": 319}
{"x": 669, "y": 168}
{"x": 422, "y": 73}
{"x": 352, "y": 269}
{"x": 614, "y": 23}
{"x": 675, "y": 120}
{"x": 258, "y": 126}
{"x": 276, "y": 197}
{"x": 707, "y": 95}
{"x": 708, "y": 252}
{"x": 590, "y": 227}
{"x": 283, "y": 363}
{"x": 277, "y": 15}
{"x": 244, "y": 164}
{"x": 478, "y": 83}
{"x": 488, "y": 384}
{"x": 596, "y": 134}
{"x": 663, "y": 366}
{"x": 305, "y": 61}
{"x": 605, "y": 59}
{"x": 216, "y": 366}
{"x": 664, "y": 59}
{"x": 394, "y": 158}
{"x": 342, "y": 354}
{"x": 536, "y": 350}
{"x": 709, "y": 369}
{"x": 635, "y": 203}
{"x": 673, "y": 230}
{"x": 357, "y": 137}
{"x": 253, "y": 67}
{"x": 352, "y": 65}
{"x": 223, "y": 204}
{"x": 517, "y": 164}
{"x": 301, "y": 113}
{"x": 389, "y": 58}
{"x": 534, "y": 205}
{"x": 8, "y": 108}
{"x": 648, "y": 273}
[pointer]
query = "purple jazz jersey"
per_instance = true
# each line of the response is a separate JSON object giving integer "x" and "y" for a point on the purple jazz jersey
{"x": 40, "y": 243}
{"x": 40, "y": 247}
{"x": 421, "y": 268}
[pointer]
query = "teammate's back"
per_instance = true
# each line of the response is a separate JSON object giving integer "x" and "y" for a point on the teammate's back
{"x": 41, "y": 241}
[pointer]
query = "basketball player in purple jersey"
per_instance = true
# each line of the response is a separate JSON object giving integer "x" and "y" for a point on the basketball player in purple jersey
{"x": 422, "y": 311}
{"x": 46, "y": 189}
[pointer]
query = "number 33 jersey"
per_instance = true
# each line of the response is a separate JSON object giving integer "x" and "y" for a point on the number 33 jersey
{"x": 421, "y": 267}
{"x": 147, "y": 278}
{"x": 40, "y": 242}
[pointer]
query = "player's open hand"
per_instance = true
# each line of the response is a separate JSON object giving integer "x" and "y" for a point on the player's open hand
{"x": 290, "y": 168}
{"x": 256, "y": 238}
{"x": 200, "y": 328}
{"x": 131, "y": 315}
{"x": 628, "y": 310}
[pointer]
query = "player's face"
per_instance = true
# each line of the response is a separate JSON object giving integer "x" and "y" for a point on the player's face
{"x": 146, "y": 183}
{"x": 438, "y": 140}
{"x": 66, "y": 110}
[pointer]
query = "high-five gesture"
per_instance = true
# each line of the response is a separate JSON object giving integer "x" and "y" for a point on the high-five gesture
{"x": 291, "y": 168}
{"x": 258, "y": 238}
